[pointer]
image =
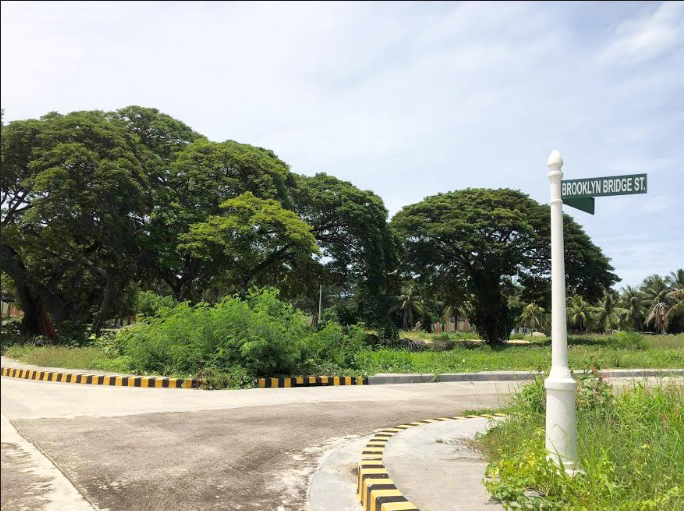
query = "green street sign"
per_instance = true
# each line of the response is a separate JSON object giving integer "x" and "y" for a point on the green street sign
{"x": 585, "y": 204}
{"x": 602, "y": 186}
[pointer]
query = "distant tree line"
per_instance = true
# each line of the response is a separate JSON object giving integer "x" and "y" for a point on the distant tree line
{"x": 98, "y": 207}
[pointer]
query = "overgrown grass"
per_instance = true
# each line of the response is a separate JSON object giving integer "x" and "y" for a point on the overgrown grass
{"x": 600, "y": 351}
{"x": 453, "y": 336}
{"x": 630, "y": 448}
{"x": 68, "y": 357}
{"x": 177, "y": 346}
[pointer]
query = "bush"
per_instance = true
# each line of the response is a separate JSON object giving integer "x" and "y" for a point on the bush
{"x": 333, "y": 346}
{"x": 149, "y": 304}
{"x": 261, "y": 335}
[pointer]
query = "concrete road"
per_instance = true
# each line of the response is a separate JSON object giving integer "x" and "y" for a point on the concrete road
{"x": 135, "y": 449}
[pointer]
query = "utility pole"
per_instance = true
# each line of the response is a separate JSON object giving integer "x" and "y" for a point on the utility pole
{"x": 320, "y": 302}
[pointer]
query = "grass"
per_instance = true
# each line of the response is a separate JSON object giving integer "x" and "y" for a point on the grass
{"x": 657, "y": 351}
{"x": 601, "y": 351}
{"x": 630, "y": 448}
{"x": 453, "y": 336}
{"x": 88, "y": 357}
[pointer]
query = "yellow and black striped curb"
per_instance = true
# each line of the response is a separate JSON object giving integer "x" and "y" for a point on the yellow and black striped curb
{"x": 310, "y": 381}
{"x": 101, "y": 379}
{"x": 375, "y": 489}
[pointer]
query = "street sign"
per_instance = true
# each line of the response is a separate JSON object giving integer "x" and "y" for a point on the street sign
{"x": 585, "y": 204}
{"x": 602, "y": 186}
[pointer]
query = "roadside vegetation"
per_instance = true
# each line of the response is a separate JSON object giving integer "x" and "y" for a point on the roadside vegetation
{"x": 129, "y": 233}
{"x": 630, "y": 447}
{"x": 236, "y": 341}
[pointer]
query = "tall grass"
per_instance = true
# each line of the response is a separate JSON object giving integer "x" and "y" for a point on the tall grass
{"x": 89, "y": 357}
{"x": 619, "y": 351}
{"x": 630, "y": 448}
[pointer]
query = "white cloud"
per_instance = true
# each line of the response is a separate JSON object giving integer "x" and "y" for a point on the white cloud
{"x": 647, "y": 37}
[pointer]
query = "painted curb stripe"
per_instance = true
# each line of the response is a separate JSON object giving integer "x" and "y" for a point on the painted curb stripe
{"x": 99, "y": 379}
{"x": 310, "y": 381}
{"x": 374, "y": 487}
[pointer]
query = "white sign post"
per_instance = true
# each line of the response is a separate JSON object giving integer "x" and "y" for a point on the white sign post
{"x": 561, "y": 421}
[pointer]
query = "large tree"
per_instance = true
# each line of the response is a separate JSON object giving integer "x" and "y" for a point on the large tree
{"x": 478, "y": 239}
{"x": 253, "y": 242}
{"x": 358, "y": 250}
{"x": 73, "y": 202}
{"x": 199, "y": 179}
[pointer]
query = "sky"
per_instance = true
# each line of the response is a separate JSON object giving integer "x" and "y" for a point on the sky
{"x": 404, "y": 99}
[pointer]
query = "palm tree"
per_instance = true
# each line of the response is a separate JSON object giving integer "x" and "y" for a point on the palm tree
{"x": 409, "y": 305}
{"x": 578, "y": 313}
{"x": 607, "y": 314}
{"x": 675, "y": 280}
{"x": 678, "y": 308}
{"x": 655, "y": 290}
{"x": 632, "y": 300}
{"x": 532, "y": 316}
{"x": 659, "y": 316}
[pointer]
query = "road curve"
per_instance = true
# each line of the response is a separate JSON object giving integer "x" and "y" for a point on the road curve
{"x": 134, "y": 449}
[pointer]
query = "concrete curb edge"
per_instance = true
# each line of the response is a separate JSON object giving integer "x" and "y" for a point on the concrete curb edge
{"x": 375, "y": 489}
{"x": 101, "y": 379}
{"x": 311, "y": 381}
{"x": 382, "y": 379}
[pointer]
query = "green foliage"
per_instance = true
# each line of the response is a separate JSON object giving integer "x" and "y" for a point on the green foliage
{"x": 476, "y": 240}
{"x": 607, "y": 315}
{"x": 358, "y": 250}
{"x": 331, "y": 349}
{"x": 598, "y": 351}
{"x": 86, "y": 357}
{"x": 253, "y": 242}
{"x": 630, "y": 340}
{"x": 73, "y": 200}
{"x": 630, "y": 445}
{"x": 150, "y": 304}
{"x": 262, "y": 335}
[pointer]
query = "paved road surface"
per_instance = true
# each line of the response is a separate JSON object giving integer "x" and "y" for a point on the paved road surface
{"x": 135, "y": 449}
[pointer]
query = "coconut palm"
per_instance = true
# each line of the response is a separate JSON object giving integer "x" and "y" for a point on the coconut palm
{"x": 578, "y": 313}
{"x": 675, "y": 280}
{"x": 677, "y": 308}
{"x": 655, "y": 290}
{"x": 409, "y": 306}
{"x": 665, "y": 297}
{"x": 607, "y": 314}
{"x": 634, "y": 302}
{"x": 532, "y": 316}
{"x": 659, "y": 317}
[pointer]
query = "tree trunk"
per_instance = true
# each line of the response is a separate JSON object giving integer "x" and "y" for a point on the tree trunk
{"x": 35, "y": 320}
{"x": 491, "y": 310}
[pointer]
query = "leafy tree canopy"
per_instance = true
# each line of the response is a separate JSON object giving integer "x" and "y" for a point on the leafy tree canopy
{"x": 474, "y": 240}
{"x": 73, "y": 202}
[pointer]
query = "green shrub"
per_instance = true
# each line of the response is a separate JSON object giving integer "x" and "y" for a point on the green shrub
{"x": 333, "y": 346}
{"x": 150, "y": 304}
{"x": 261, "y": 334}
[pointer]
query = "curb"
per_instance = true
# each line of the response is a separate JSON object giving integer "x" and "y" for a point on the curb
{"x": 382, "y": 379}
{"x": 375, "y": 489}
{"x": 310, "y": 381}
{"x": 101, "y": 379}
